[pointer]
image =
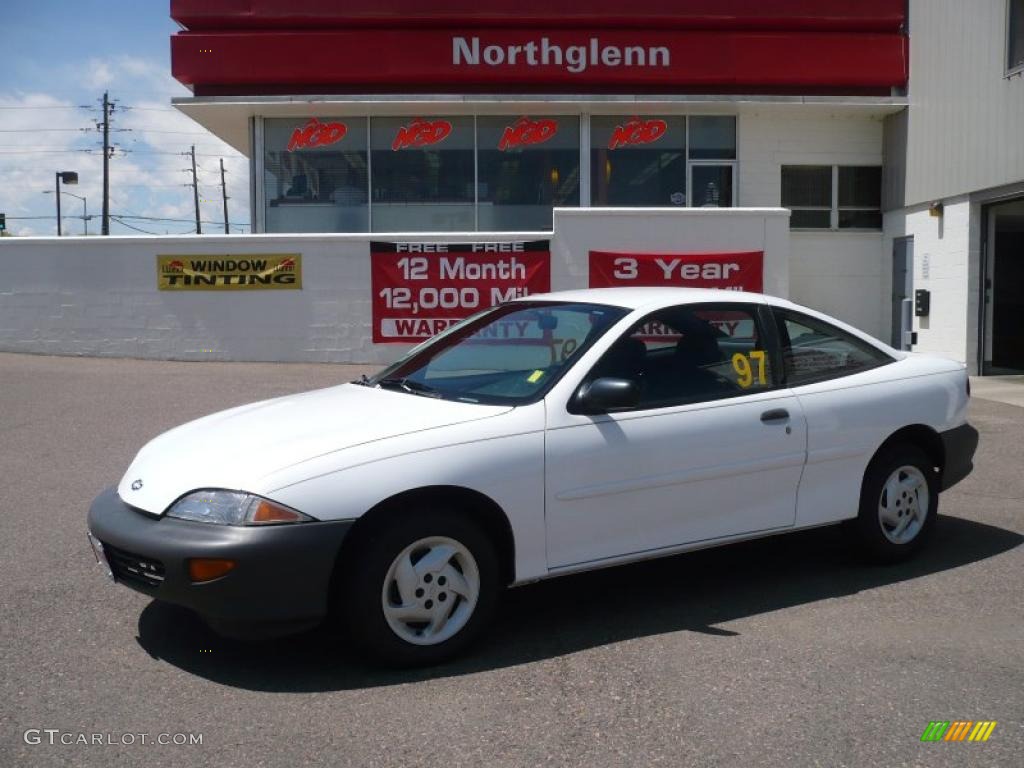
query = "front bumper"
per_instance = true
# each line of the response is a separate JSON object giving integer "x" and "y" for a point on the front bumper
{"x": 959, "y": 445}
{"x": 282, "y": 578}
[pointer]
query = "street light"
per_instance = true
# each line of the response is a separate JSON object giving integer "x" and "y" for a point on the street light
{"x": 68, "y": 177}
{"x": 85, "y": 206}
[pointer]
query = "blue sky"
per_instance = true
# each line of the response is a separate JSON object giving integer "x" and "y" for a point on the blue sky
{"x": 58, "y": 57}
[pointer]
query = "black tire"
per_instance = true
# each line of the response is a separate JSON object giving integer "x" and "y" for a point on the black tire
{"x": 358, "y": 598}
{"x": 868, "y": 527}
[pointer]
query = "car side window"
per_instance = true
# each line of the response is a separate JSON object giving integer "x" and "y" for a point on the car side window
{"x": 813, "y": 350}
{"x": 691, "y": 353}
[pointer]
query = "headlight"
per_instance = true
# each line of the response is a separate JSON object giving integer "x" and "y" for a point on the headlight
{"x": 233, "y": 508}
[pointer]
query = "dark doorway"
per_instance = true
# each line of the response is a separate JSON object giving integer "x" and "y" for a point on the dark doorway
{"x": 1004, "y": 289}
{"x": 902, "y": 288}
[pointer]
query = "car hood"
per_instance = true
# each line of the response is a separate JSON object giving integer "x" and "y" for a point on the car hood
{"x": 235, "y": 448}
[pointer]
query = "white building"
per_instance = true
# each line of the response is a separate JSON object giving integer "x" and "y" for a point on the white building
{"x": 954, "y": 182}
{"x": 892, "y": 131}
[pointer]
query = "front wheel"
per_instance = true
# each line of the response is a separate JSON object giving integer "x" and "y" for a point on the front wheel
{"x": 899, "y": 503}
{"x": 421, "y": 589}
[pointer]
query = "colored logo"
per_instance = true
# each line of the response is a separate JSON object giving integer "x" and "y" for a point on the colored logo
{"x": 958, "y": 730}
{"x": 637, "y": 131}
{"x": 174, "y": 266}
{"x": 316, "y": 134}
{"x": 421, "y": 133}
{"x": 525, "y": 131}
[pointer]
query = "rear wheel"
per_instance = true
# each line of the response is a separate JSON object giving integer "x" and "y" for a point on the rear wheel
{"x": 899, "y": 503}
{"x": 420, "y": 589}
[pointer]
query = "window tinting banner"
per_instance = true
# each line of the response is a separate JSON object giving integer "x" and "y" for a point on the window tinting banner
{"x": 419, "y": 289}
{"x": 735, "y": 271}
{"x": 229, "y": 272}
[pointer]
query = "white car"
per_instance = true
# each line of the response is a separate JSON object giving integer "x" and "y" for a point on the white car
{"x": 546, "y": 436}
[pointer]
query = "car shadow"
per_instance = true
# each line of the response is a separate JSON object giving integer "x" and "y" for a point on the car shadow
{"x": 692, "y": 592}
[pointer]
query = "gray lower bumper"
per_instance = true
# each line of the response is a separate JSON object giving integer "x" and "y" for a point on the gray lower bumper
{"x": 283, "y": 574}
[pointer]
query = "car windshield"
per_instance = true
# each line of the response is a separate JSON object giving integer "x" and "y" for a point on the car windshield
{"x": 509, "y": 355}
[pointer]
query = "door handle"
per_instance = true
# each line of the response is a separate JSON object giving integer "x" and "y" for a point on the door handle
{"x": 776, "y": 414}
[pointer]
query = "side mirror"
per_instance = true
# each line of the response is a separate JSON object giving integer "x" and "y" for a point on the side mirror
{"x": 607, "y": 394}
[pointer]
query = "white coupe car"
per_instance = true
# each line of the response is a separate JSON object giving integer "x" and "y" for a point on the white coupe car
{"x": 546, "y": 436}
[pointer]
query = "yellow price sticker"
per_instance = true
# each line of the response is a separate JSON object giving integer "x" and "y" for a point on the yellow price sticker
{"x": 742, "y": 364}
{"x": 534, "y": 377}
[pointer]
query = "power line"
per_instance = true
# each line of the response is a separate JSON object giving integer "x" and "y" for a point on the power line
{"x": 37, "y": 188}
{"x": 126, "y": 224}
{"x": 186, "y": 152}
{"x": 36, "y": 149}
{"x": 47, "y": 106}
{"x": 133, "y": 216}
{"x": 161, "y": 130}
{"x": 182, "y": 221}
{"x": 45, "y": 151}
{"x": 48, "y": 130}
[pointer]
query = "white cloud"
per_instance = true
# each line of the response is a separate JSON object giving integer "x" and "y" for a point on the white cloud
{"x": 41, "y": 134}
{"x": 98, "y": 74}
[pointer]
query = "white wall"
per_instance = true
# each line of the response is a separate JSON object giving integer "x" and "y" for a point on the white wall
{"x": 840, "y": 273}
{"x": 98, "y": 296}
{"x": 963, "y": 130}
{"x": 945, "y": 253}
{"x": 685, "y": 230}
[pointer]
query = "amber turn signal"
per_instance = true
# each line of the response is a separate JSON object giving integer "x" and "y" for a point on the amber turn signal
{"x": 208, "y": 568}
{"x": 269, "y": 512}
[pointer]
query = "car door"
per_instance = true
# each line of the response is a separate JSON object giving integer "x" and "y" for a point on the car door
{"x": 713, "y": 449}
{"x": 850, "y": 410}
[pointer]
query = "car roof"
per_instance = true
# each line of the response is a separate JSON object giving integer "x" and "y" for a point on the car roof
{"x": 648, "y": 298}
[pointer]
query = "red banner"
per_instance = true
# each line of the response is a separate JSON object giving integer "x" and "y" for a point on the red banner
{"x": 736, "y": 271}
{"x": 419, "y": 289}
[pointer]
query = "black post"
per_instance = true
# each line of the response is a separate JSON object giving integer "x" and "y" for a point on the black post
{"x": 105, "y": 228}
{"x": 195, "y": 191}
{"x": 224, "y": 193}
{"x": 57, "y": 195}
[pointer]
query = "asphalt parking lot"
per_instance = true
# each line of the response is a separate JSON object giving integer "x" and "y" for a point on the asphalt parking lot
{"x": 785, "y": 651}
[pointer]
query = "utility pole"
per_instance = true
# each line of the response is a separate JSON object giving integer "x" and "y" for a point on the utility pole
{"x": 57, "y": 195}
{"x": 224, "y": 193}
{"x": 195, "y": 191}
{"x": 105, "y": 228}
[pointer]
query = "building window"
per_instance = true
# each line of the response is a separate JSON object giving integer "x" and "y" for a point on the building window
{"x": 713, "y": 138}
{"x": 712, "y": 185}
{"x": 422, "y": 174}
{"x": 1015, "y": 35}
{"x": 833, "y": 197}
{"x": 526, "y": 166}
{"x": 649, "y": 161}
{"x": 487, "y": 173}
{"x": 860, "y": 197}
{"x": 315, "y": 175}
{"x": 637, "y": 161}
{"x": 807, "y": 192}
